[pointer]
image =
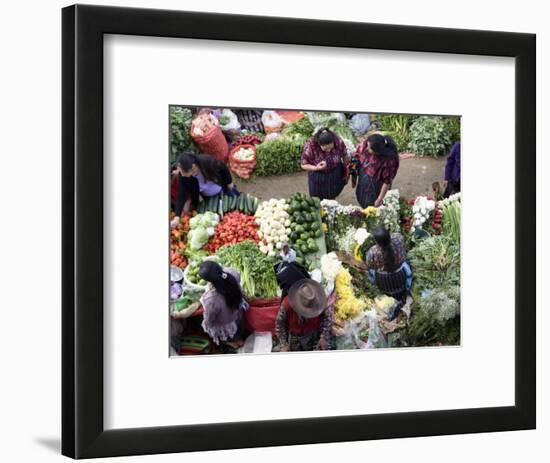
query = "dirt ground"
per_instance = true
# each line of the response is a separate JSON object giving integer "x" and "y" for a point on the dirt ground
{"x": 415, "y": 176}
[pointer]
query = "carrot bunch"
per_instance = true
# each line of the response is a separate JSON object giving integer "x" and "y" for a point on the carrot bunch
{"x": 233, "y": 228}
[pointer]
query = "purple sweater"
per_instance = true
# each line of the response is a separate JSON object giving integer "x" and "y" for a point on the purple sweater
{"x": 452, "y": 168}
{"x": 220, "y": 322}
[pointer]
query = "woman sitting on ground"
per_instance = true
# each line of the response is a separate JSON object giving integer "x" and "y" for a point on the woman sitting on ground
{"x": 388, "y": 267}
{"x": 223, "y": 304}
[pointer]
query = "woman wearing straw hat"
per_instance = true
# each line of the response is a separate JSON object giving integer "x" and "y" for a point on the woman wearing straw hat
{"x": 304, "y": 321}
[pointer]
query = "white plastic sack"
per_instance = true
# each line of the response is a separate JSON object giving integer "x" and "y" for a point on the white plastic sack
{"x": 272, "y": 121}
{"x": 233, "y": 124}
{"x": 272, "y": 136}
{"x": 376, "y": 339}
{"x": 359, "y": 123}
{"x": 257, "y": 343}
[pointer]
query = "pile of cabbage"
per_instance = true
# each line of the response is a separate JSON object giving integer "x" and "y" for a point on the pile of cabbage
{"x": 201, "y": 228}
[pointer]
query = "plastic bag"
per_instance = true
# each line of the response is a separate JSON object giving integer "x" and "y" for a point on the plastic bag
{"x": 257, "y": 343}
{"x": 272, "y": 122}
{"x": 376, "y": 337}
{"x": 359, "y": 123}
{"x": 232, "y": 127}
{"x": 326, "y": 119}
{"x": 272, "y": 136}
{"x": 351, "y": 333}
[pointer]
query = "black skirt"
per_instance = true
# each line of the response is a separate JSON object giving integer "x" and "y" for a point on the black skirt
{"x": 326, "y": 184}
{"x": 367, "y": 190}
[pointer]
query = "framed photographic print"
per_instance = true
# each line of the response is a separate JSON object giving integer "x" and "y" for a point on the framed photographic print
{"x": 287, "y": 231}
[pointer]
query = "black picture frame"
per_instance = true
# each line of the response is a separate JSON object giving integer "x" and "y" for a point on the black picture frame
{"x": 83, "y": 28}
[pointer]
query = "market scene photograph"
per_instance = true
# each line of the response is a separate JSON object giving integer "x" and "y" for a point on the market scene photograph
{"x": 312, "y": 231}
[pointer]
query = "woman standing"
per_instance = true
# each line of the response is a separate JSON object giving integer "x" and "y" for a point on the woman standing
{"x": 199, "y": 174}
{"x": 325, "y": 159}
{"x": 451, "y": 184}
{"x": 223, "y": 304}
{"x": 379, "y": 162}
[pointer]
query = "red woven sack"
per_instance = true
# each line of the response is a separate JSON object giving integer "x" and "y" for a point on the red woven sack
{"x": 212, "y": 141}
{"x": 261, "y": 314}
{"x": 242, "y": 168}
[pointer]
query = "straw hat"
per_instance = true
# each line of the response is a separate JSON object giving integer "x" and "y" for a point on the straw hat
{"x": 307, "y": 298}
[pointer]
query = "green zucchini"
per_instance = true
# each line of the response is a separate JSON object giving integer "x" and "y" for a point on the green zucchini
{"x": 213, "y": 204}
{"x": 245, "y": 203}
{"x": 225, "y": 201}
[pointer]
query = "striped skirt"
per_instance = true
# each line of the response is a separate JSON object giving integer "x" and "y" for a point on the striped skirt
{"x": 326, "y": 184}
{"x": 367, "y": 190}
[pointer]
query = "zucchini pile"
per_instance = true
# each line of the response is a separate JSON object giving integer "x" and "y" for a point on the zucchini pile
{"x": 305, "y": 226}
{"x": 245, "y": 203}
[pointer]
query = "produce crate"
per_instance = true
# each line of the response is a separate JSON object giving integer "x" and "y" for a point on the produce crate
{"x": 193, "y": 345}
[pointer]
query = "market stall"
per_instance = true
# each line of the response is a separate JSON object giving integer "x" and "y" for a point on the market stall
{"x": 331, "y": 241}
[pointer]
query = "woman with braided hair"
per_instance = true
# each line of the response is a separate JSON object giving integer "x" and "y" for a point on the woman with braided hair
{"x": 223, "y": 304}
{"x": 388, "y": 267}
{"x": 325, "y": 159}
{"x": 378, "y": 163}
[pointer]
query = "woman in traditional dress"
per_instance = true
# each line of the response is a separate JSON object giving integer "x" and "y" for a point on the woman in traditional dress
{"x": 223, "y": 303}
{"x": 378, "y": 162}
{"x": 325, "y": 159}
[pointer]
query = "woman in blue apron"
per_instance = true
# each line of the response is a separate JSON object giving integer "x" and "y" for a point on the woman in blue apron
{"x": 388, "y": 267}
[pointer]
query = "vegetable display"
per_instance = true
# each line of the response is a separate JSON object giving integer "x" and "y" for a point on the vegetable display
{"x": 201, "y": 229}
{"x": 242, "y": 160}
{"x": 437, "y": 317}
{"x": 178, "y": 243}
{"x": 255, "y": 268}
{"x": 450, "y": 210}
{"x": 330, "y": 239}
{"x": 244, "y": 154}
{"x": 180, "y": 132}
{"x": 305, "y": 225}
{"x": 233, "y": 228}
{"x": 274, "y": 225}
{"x": 347, "y": 304}
{"x": 302, "y": 128}
{"x": 388, "y": 212}
{"x": 245, "y": 203}
{"x": 192, "y": 274}
{"x": 397, "y": 126}
{"x": 435, "y": 262}
{"x": 279, "y": 156}
{"x": 189, "y": 297}
{"x": 422, "y": 209}
{"x": 430, "y": 136}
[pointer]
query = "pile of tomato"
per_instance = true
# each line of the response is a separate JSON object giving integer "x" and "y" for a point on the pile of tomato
{"x": 233, "y": 228}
